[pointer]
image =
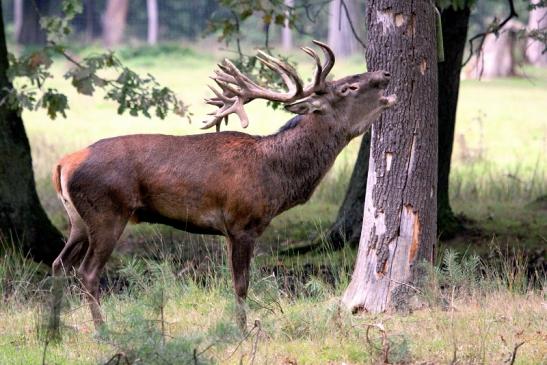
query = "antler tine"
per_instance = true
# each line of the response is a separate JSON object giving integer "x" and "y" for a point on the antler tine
{"x": 219, "y": 115}
{"x": 237, "y": 89}
{"x": 329, "y": 59}
{"x": 287, "y": 73}
{"x": 317, "y": 73}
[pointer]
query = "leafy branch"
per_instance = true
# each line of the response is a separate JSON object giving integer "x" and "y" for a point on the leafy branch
{"x": 132, "y": 92}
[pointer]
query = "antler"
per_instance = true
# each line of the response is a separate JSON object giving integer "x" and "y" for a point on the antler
{"x": 237, "y": 89}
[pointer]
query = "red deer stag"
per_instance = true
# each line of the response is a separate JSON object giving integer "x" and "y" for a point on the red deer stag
{"x": 228, "y": 183}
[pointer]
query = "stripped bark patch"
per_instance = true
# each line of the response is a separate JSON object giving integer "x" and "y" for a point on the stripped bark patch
{"x": 400, "y": 19}
{"x": 423, "y": 66}
{"x": 386, "y": 18}
{"x": 389, "y": 158}
{"x": 415, "y": 244}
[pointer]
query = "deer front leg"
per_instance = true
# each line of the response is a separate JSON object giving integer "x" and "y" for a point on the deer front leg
{"x": 240, "y": 251}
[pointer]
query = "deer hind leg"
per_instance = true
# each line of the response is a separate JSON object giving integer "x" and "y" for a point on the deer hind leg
{"x": 240, "y": 252}
{"x": 102, "y": 240}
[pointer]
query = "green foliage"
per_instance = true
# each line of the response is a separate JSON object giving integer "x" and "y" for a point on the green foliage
{"x": 54, "y": 102}
{"x": 132, "y": 92}
{"x": 227, "y": 20}
{"x": 57, "y": 28}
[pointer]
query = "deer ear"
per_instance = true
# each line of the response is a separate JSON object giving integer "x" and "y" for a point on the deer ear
{"x": 305, "y": 106}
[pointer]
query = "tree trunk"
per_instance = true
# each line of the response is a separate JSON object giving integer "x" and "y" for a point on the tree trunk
{"x": 17, "y": 17}
{"x": 286, "y": 33}
{"x": 341, "y": 39}
{"x": 30, "y": 32}
{"x": 114, "y": 20}
{"x": 152, "y": 12}
{"x": 535, "y": 49}
{"x": 89, "y": 16}
{"x": 399, "y": 229}
{"x": 347, "y": 227}
{"x": 455, "y": 24}
{"x": 497, "y": 58}
{"x": 22, "y": 218}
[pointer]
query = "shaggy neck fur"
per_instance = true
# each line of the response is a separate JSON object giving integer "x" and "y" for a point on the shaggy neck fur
{"x": 300, "y": 154}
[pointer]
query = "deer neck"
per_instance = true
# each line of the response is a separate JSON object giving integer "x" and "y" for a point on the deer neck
{"x": 300, "y": 155}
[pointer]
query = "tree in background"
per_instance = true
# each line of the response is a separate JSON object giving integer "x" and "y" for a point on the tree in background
{"x": 22, "y": 218}
{"x": 455, "y": 23}
{"x": 342, "y": 14}
{"x": 399, "y": 226}
{"x": 153, "y": 26}
{"x": 114, "y": 21}
{"x": 30, "y": 32}
{"x": 536, "y": 50}
{"x": 286, "y": 32}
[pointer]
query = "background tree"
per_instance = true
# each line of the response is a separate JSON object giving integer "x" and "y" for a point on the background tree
{"x": 341, "y": 39}
{"x": 22, "y": 218}
{"x": 153, "y": 25}
{"x": 114, "y": 21}
{"x": 399, "y": 229}
{"x": 497, "y": 56}
{"x": 455, "y": 23}
{"x": 536, "y": 50}
{"x": 30, "y": 32}
{"x": 286, "y": 32}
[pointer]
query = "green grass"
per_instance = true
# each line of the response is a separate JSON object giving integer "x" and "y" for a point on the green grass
{"x": 470, "y": 313}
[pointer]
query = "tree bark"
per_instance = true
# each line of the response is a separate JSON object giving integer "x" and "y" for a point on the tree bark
{"x": 152, "y": 12}
{"x": 455, "y": 24}
{"x": 114, "y": 21}
{"x": 286, "y": 32}
{"x": 341, "y": 39}
{"x": 400, "y": 227}
{"x": 347, "y": 227}
{"x": 22, "y": 218}
{"x": 30, "y": 31}
{"x": 535, "y": 49}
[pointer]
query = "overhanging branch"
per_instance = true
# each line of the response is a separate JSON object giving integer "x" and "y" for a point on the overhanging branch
{"x": 492, "y": 28}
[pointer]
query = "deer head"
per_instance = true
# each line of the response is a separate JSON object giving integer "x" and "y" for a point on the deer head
{"x": 351, "y": 103}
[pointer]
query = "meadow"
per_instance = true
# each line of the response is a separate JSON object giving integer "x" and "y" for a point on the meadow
{"x": 174, "y": 304}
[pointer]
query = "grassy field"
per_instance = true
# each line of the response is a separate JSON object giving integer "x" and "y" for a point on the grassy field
{"x": 180, "y": 311}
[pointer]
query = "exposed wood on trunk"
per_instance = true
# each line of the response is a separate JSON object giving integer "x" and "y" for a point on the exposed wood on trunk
{"x": 399, "y": 226}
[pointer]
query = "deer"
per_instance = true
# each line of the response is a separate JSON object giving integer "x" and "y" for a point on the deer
{"x": 226, "y": 183}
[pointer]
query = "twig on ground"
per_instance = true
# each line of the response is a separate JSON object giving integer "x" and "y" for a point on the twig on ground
{"x": 514, "y": 354}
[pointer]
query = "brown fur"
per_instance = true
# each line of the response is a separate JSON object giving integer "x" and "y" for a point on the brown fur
{"x": 227, "y": 183}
